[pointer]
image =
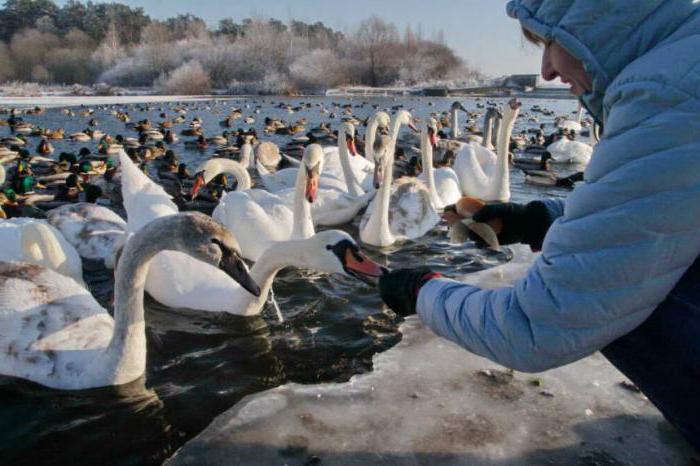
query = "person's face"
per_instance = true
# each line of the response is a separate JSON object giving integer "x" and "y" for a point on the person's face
{"x": 558, "y": 63}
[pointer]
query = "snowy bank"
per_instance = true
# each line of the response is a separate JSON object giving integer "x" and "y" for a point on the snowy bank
{"x": 429, "y": 402}
{"x": 49, "y": 101}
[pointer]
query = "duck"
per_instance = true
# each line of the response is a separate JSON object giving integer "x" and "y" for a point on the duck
{"x": 483, "y": 174}
{"x": 402, "y": 209}
{"x": 259, "y": 218}
{"x": 44, "y": 147}
{"x": 57, "y": 335}
{"x": 36, "y": 242}
{"x": 199, "y": 144}
{"x": 79, "y": 137}
{"x": 96, "y": 232}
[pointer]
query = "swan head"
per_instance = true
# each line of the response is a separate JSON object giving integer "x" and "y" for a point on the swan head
{"x": 381, "y": 119}
{"x": 204, "y": 239}
{"x": 312, "y": 163}
{"x": 458, "y": 106}
{"x": 514, "y": 104}
{"x": 335, "y": 251}
{"x": 432, "y": 130}
{"x": 403, "y": 117}
{"x": 382, "y": 158}
{"x": 348, "y": 129}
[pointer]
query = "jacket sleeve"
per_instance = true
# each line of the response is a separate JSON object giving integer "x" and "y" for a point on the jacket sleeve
{"x": 626, "y": 237}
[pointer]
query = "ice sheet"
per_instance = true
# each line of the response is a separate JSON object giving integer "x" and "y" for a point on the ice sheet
{"x": 427, "y": 402}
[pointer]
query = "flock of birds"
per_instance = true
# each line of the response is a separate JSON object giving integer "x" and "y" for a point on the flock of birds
{"x": 58, "y": 212}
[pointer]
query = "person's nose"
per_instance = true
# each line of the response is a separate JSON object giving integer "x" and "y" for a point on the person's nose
{"x": 548, "y": 71}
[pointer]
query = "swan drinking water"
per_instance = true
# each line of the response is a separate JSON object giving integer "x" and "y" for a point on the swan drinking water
{"x": 57, "y": 335}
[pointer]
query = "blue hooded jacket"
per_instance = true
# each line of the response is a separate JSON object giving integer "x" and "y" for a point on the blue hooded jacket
{"x": 629, "y": 233}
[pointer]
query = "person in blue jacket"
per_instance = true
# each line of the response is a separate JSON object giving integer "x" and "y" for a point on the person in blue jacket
{"x": 618, "y": 269}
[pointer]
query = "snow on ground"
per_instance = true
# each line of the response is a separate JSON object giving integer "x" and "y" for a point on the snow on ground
{"x": 427, "y": 402}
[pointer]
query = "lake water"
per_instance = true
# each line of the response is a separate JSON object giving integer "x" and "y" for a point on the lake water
{"x": 199, "y": 365}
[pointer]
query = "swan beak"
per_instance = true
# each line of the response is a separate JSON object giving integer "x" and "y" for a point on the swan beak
{"x": 433, "y": 138}
{"x": 413, "y": 127}
{"x": 351, "y": 145}
{"x": 233, "y": 265}
{"x": 311, "y": 187}
{"x": 362, "y": 267}
{"x": 198, "y": 183}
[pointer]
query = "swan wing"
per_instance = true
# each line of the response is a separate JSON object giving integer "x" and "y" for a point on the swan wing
{"x": 256, "y": 219}
{"x": 11, "y": 233}
{"x": 144, "y": 200}
{"x": 334, "y": 208}
{"x": 411, "y": 213}
{"x": 52, "y": 327}
{"x": 473, "y": 178}
{"x": 447, "y": 185}
{"x": 95, "y": 231}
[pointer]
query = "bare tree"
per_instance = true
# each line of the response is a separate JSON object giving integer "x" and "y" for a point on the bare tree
{"x": 376, "y": 39}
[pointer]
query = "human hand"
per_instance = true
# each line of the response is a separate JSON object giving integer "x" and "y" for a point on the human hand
{"x": 399, "y": 288}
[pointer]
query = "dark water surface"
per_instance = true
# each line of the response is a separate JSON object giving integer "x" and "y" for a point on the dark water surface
{"x": 199, "y": 364}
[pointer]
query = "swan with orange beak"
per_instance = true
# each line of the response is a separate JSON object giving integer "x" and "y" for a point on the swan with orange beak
{"x": 259, "y": 218}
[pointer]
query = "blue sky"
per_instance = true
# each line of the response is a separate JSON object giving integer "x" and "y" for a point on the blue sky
{"x": 478, "y": 30}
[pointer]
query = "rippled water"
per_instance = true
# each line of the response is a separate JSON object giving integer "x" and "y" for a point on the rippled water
{"x": 198, "y": 364}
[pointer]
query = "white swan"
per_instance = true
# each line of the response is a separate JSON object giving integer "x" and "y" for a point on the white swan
{"x": 442, "y": 183}
{"x": 210, "y": 169}
{"x": 96, "y": 232}
{"x": 454, "y": 119}
{"x": 481, "y": 173}
{"x": 330, "y": 251}
{"x": 57, "y": 335}
{"x": 259, "y": 218}
{"x": 35, "y": 242}
{"x": 401, "y": 210}
{"x": 174, "y": 279}
{"x": 567, "y": 151}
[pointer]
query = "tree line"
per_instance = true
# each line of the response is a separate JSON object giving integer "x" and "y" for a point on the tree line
{"x": 112, "y": 43}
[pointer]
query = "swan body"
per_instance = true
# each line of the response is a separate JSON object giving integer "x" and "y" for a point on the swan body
{"x": 259, "y": 218}
{"x": 481, "y": 173}
{"x": 174, "y": 279}
{"x": 402, "y": 209}
{"x": 57, "y": 335}
{"x": 96, "y": 232}
{"x": 567, "y": 151}
{"x": 36, "y": 242}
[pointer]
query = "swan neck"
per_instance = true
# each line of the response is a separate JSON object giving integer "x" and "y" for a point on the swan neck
{"x": 506, "y": 130}
{"x": 348, "y": 173}
{"x": 428, "y": 169}
{"x": 247, "y": 156}
{"x": 39, "y": 243}
{"x": 238, "y": 171}
{"x": 303, "y": 226}
{"x": 371, "y": 136}
{"x": 454, "y": 120}
{"x": 275, "y": 258}
{"x": 488, "y": 130}
{"x": 126, "y": 354}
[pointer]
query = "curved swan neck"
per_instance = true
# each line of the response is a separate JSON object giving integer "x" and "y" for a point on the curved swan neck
{"x": 303, "y": 226}
{"x": 371, "y": 136}
{"x": 39, "y": 243}
{"x": 235, "y": 169}
{"x": 348, "y": 173}
{"x": 377, "y": 231}
{"x": 454, "y": 120}
{"x": 428, "y": 169}
{"x": 247, "y": 159}
{"x": 506, "y": 130}
{"x": 275, "y": 258}
{"x": 488, "y": 130}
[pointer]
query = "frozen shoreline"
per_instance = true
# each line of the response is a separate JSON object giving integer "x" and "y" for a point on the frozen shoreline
{"x": 429, "y": 402}
{"x": 49, "y": 101}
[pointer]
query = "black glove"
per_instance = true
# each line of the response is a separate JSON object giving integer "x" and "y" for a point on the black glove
{"x": 526, "y": 224}
{"x": 399, "y": 288}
